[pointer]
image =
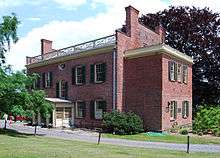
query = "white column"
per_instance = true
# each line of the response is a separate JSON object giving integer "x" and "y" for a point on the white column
{"x": 54, "y": 116}
{"x": 72, "y": 115}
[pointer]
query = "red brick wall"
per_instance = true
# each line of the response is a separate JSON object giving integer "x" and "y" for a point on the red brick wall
{"x": 136, "y": 36}
{"x": 143, "y": 84}
{"x": 175, "y": 91}
{"x": 86, "y": 92}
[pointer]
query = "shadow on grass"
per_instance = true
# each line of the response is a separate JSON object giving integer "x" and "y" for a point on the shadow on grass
{"x": 14, "y": 133}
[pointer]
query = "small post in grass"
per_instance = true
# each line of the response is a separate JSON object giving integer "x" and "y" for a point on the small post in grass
{"x": 187, "y": 144}
{"x": 35, "y": 129}
{"x": 100, "y": 132}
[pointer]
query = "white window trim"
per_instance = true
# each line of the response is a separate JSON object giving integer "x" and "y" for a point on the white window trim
{"x": 184, "y": 108}
{"x": 78, "y": 101}
{"x": 179, "y": 72}
{"x": 47, "y": 79}
{"x": 95, "y": 107}
{"x": 185, "y": 74}
{"x": 172, "y": 71}
{"x": 95, "y": 73}
{"x": 76, "y": 75}
{"x": 172, "y": 105}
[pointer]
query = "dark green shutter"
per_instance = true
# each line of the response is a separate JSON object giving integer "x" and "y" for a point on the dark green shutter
{"x": 84, "y": 109}
{"x": 92, "y": 109}
{"x": 169, "y": 70}
{"x": 57, "y": 90}
{"x": 73, "y": 76}
{"x": 175, "y": 71}
{"x": 104, "y": 71}
{"x": 83, "y": 74}
{"x": 187, "y": 108}
{"x": 38, "y": 82}
{"x": 43, "y": 80}
{"x": 92, "y": 73}
{"x": 66, "y": 90}
{"x": 175, "y": 110}
{"x": 183, "y": 109}
{"x": 104, "y": 106}
{"x": 51, "y": 79}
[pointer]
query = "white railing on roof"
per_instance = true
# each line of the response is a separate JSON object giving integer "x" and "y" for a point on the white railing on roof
{"x": 98, "y": 43}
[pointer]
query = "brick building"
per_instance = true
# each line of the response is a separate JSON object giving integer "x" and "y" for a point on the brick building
{"x": 132, "y": 70}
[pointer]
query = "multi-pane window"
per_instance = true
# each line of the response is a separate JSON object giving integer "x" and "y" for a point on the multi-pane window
{"x": 185, "y": 109}
{"x": 185, "y": 74}
{"x": 173, "y": 110}
{"x": 100, "y": 72}
{"x": 172, "y": 68}
{"x": 179, "y": 72}
{"x": 79, "y": 75}
{"x": 47, "y": 79}
{"x": 62, "y": 89}
{"x": 59, "y": 112}
{"x": 99, "y": 108}
{"x": 80, "y": 109}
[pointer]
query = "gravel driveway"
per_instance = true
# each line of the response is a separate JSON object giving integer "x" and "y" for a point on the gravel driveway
{"x": 88, "y": 136}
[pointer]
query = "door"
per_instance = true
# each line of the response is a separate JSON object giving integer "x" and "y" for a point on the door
{"x": 59, "y": 116}
{"x": 67, "y": 116}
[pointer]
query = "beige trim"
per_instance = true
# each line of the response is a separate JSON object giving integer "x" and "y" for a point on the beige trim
{"x": 157, "y": 49}
{"x": 73, "y": 56}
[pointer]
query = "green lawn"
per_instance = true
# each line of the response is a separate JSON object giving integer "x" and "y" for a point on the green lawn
{"x": 168, "y": 138}
{"x": 26, "y": 146}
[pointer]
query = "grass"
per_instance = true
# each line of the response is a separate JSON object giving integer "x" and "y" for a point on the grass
{"x": 168, "y": 138}
{"x": 15, "y": 145}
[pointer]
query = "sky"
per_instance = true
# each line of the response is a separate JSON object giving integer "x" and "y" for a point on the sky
{"x": 70, "y": 22}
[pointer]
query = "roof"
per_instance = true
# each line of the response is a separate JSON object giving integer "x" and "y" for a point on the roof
{"x": 157, "y": 49}
{"x": 57, "y": 100}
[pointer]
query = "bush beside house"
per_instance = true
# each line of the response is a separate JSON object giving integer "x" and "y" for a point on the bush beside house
{"x": 207, "y": 121}
{"x": 122, "y": 123}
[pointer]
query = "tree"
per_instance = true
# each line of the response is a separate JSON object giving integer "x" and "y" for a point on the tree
{"x": 194, "y": 32}
{"x": 8, "y": 34}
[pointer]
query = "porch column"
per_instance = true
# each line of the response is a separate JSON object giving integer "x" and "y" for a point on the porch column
{"x": 38, "y": 119}
{"x": 54, "y": 116}
{"x": 72, "y": 115}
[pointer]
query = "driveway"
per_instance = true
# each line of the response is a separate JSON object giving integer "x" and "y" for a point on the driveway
{"x": 92, "y": 137}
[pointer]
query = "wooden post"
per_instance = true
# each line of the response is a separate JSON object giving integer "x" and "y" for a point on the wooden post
{"x": 99, "y": 137}
{"x": 35, "y": 129}
{"x": 187, "y": 144}
{"x": 5, "y": 124}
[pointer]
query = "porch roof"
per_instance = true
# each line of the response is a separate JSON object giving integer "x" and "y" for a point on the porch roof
{"x": 57, "y": 100}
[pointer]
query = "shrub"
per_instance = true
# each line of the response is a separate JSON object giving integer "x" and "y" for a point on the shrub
{"x": 122, "y": 123}
{"x": 183, "y": 131}
{"x": 207, "y": 119}
{"x": 216, "y": 132}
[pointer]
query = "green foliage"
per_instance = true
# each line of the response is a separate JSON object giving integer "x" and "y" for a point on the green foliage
{"x": 183, "y": 131}
{"x": 195, "y": 32}
{"x": 8, "y": 33}
{"x": 207, "y": 120}
{"x": 122, "y": 123}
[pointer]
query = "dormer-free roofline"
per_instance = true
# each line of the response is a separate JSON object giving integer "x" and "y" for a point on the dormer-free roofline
{"x": 157, "y": 49}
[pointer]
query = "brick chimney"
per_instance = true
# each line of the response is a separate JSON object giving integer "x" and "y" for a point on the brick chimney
{"x": 46, "y": 46}
{"x": 161, "y": 31}
{"x": 131, "y": 20}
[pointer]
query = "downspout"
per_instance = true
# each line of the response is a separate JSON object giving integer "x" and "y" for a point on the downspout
{"x": 114, "y": 80}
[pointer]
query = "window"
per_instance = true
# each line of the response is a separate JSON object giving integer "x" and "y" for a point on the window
{"x": 59, "y": 112}
{"x": 100, "y": 107}
{"x": 80, "y": 109}
{"x": 185, "y": 109}
{"x": 100, "y": 70}
{"x": 47, "y": 79}
{"x": 62, "y": 89}
{"x": 36, "y": 83}
{"x": 179, "y": 72}
{"x": 185, "y": 74}
{"x": 79, "y": 75}
{"x": 173, "y": 110}
{"x": 172, "y": 71}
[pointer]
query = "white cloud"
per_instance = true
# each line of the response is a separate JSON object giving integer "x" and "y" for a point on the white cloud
{"x": 15, "y": 3}
{"x": 66, "y": 33}
{"x": 70, "y": 4}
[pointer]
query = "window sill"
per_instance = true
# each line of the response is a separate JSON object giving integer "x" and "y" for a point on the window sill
{"x": 99, "y": 82}
{"x": 185, "y": 117}
{"x": 172, "y": 120}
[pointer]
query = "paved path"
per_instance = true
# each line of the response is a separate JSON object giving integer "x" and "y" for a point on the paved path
{"x": 92, "y": 137}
